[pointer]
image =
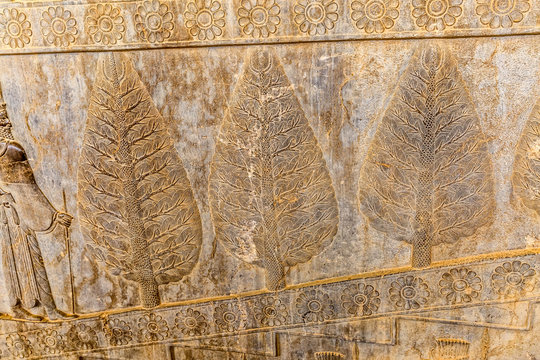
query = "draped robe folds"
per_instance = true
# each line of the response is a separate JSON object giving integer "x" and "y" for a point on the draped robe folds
{"x": 24, "y": 210}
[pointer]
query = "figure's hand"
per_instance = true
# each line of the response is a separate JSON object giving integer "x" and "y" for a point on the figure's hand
{"x": 64, "y": 219}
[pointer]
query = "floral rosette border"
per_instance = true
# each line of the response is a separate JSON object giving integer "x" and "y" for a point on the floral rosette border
{"x": 394, "y": 295}
{"x": 33, "y": 27}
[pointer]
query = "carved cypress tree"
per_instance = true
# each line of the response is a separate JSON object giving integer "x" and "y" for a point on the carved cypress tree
{"x": 136, "y": 206}
{"x": 427, "y": 177}
{"x": 526, "y": 178}
{"x": 271, "y": 195}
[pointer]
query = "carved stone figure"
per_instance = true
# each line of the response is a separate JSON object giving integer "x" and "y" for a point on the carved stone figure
{"x": 25, "y": 211}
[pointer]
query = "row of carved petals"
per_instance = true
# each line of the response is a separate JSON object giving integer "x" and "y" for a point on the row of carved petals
{"x": 205, "y": 19}
{"x": 359, "y": 298}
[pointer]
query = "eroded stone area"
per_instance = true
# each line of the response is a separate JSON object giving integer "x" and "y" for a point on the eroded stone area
{"x": 247, "y": 180}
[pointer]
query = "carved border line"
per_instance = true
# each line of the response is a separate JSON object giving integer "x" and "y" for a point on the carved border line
{"x": 528, "y": 322}
{"x": 78, "y": 27}
{"x": 404, "y": 294}
{"x": 508, "y": 254}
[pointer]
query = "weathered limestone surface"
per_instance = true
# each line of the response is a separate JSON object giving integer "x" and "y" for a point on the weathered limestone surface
{"x": 264, "y": 179}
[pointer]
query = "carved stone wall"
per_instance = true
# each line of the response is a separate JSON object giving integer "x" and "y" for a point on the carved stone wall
{"x": 270, "y": 179}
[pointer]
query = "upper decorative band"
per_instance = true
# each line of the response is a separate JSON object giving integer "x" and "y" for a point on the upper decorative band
{"x": 68, "y": 27}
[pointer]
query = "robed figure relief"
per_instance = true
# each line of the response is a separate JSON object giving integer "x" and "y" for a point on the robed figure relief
{"x": 24, "y": 212}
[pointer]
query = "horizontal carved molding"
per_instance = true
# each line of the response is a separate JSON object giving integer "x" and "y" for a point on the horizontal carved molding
{"x": 481, "y": 283}
{"x": 37, "y": 27}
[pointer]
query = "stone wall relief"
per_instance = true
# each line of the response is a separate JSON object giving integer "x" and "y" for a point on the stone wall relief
{"x": 155, "y": 23}
{"x": 271, "y": 196}
{"x": 427, "y": 177}
{"x": 136, "y": 206}
{"x": 273, "y": 204}
{"x": 323, "y": 311}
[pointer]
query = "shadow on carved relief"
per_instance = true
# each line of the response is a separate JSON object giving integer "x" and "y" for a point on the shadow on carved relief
{"x": 427, "y": 178}
{"x": 271, "y": 196}
{"x": 137, "y": 209}
{"x": 526, "y": 178}
{"x": 25, "y": 215}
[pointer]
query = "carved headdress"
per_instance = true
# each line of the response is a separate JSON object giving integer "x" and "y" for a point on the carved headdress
{"x": 5, "y": 124}
{"x": 14, "y": 166}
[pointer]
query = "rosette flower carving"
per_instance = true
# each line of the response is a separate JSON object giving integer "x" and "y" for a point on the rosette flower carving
{"x": 82, "y": 337}
{"x": 228, "y": 317}
{"x": 153, "y": 327}
{"x": 436, "y": 15}
{"x": 19, "y": 346}
{"x": 502, "y": 13}
{"x": 316, "y": 17}
{"x": 191, "y": 322}
{"x": 15, "y": 29}
{"x": 460, "y": 285}
{"x": 270, "y": 311}
{"x": 360, "y": 299}
{"x": 374, "y": 15}
{"x": 58, "y": 27}
{"x": 118, "y": 332}
{"x": 50, "y": 341}
{"x": 513, "y": 278}
{"x": 105, "y": 24}
{"x": 154, "y": 22}
{"x": 205, "y": 19}
{"x": 314, "y": 306}
{"x": 259, "y": 18}
{"x": 409, "y": 292}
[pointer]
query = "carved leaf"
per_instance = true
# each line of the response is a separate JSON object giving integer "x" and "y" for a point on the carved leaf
{"x": 137, "y": 210}
{"x": 427, "y": 176}
{"x": 526, "y": 178}
{"x": 271, "y": 195}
